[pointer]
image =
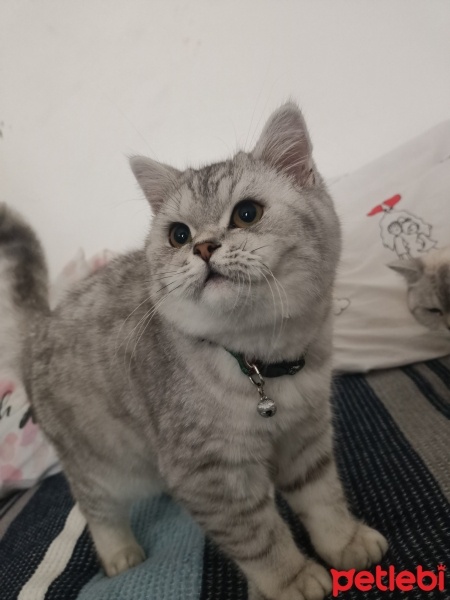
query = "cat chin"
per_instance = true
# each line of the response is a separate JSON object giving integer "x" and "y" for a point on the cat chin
{"x": 215, "y": 314}
{"x": 219, "y": 296}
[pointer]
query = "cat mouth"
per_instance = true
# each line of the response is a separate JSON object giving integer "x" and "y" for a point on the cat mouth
{"x": 214, "y": 276}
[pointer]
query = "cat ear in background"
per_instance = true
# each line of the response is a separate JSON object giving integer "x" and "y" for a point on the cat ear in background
{"x": 411, "y": 269}
{"x": 155, "y": 179}
{"x": 285, "y": 145}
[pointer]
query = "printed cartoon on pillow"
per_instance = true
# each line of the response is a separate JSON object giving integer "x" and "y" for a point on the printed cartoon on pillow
{"x": 402, "y": 232}
{"x": 339, "y": 305}
{"x": 427, "y": 274}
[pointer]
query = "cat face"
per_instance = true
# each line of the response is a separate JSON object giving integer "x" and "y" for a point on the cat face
{"x": 247, "y": 241}
{"x": 428, "y": 288}
{"x": 426, "y": 305}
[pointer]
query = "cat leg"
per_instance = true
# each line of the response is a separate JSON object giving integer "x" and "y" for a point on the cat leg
{"x": 243, "y": 520}
{"x": 308, "y": 479}
{"x": 107, "y": 515}
{"x": 116, "y": 545}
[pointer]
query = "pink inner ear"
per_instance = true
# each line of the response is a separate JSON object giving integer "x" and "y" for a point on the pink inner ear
{"x": 6, "y": 387}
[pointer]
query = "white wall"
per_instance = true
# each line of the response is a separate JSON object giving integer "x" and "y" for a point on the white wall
{"x": 83, "y": 84}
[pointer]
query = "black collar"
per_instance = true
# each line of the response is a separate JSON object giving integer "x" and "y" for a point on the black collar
{"x": 270, "y": 370}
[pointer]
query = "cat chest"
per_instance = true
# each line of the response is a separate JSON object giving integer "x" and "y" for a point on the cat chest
{"x": 236, "y": 414}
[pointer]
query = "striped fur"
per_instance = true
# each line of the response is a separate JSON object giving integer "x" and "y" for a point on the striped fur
{"x": 23, "y": 293}
{"x": 131, "y": 381}
{"x": 22, "y": 256}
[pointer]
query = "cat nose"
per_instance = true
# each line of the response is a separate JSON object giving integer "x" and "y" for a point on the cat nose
{"x": 205, "y": 249}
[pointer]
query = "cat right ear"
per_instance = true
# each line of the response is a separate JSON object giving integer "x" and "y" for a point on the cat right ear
{"x": 411, "y": 269}
{"x": 285, "y": 144}
{"x": 155, "y": 178}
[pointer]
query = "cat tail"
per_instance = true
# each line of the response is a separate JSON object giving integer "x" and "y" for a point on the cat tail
{"x": 23, "y": 269}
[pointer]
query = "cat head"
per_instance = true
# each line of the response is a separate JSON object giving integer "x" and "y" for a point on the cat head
{"x": 246, "y": 243}
{"x": 428, "y": 282}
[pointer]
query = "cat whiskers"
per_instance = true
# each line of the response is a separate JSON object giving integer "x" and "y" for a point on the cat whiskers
{"x": 279, "y": 286}
{"x": 242, "y": 248}
{"x": 170, "y": 274}
{"x": 147, "y": 318}
{"x": 284, "y": 310}
{"x": 239, "y": 291}
{"x": 148, "y": 299}
{"x": 259, "y": 248}
{"x": 274, "y": 339}
{"x": 249, "y": 292}
{"x": 248, "y": 295}
{"x": 260, "y": 268}
{"x": 165, "y": 273}
{"x": 129, "y": 336}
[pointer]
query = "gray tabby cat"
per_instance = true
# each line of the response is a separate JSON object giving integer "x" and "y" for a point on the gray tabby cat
{"x": 428, "y": 280}
{"x": 132, "y": 379}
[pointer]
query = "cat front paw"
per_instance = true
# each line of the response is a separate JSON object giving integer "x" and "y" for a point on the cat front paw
{"x": 312, "y": 582}
{"x": 124, "y": 559}
{"x": 366, "y": 547}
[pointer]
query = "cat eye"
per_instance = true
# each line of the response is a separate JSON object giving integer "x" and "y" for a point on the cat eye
{"x": 436, "y": 311}
{"x": 179, "y": 235}
{"x": 246, "y": 213}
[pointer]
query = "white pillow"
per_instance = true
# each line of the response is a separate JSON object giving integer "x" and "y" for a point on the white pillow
{"x": 395, "y": 206}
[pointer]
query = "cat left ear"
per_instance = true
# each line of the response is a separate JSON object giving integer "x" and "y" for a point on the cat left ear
{"x": 156, "y": 179}
{"x": 285, "y": 144}
{"x": 411, "y": 269}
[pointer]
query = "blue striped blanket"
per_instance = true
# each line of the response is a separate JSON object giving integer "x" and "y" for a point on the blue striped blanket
{"x": 393, "y": 449}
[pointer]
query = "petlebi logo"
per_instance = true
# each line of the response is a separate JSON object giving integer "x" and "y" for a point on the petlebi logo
{"x": 389, "y": 580}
